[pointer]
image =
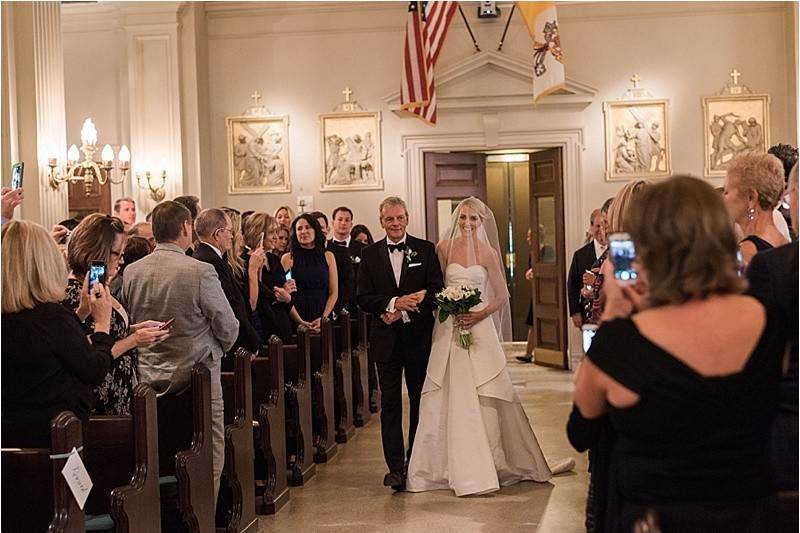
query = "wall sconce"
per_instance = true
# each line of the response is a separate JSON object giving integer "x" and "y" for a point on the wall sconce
{"x": 88, "y": 170}
{"x": 150, "y": 181}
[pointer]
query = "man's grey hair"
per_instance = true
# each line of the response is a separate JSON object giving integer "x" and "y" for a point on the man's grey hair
{"x": 593, "y": 216}
{"x": 392, "y": 201}
{"x": 134, "y": 231}
{"x": 209, "y": 221}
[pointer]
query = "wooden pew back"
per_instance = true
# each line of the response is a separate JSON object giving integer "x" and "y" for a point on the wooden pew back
{"x": 299, "y": 434}
{"x": 324, "y": 425}
{"x": 343, "y": 378}
{"x": 35, "y": 496}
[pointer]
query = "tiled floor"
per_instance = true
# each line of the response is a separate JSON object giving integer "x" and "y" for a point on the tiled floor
{"x": 347, "y": 494}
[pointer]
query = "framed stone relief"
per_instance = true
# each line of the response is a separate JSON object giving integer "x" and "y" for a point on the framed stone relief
{"x": 258, "y": 154}
{"x": 351, "y": 151}
{"x": 733, "y": 125}
{"x": 637, "y": 139}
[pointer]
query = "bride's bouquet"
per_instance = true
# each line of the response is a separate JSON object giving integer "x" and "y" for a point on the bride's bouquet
{"x": 453, "y": 301}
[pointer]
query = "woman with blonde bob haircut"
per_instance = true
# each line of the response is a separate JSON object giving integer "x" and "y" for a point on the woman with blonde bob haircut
{"x": 687, "y": 369}
{"x": 753, "y": 188}
{"x": 48, "y": 365}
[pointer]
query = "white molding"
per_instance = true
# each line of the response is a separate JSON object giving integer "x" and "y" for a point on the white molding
{"x": 162, "y": 140}
{"x": 569, "y": 140}
{"x": 576, "y": 96}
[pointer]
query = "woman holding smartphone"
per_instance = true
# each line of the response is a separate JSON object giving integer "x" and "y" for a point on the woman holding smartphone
{"x": 101, "y": 239}
{"x": 48, "y": 365}
{"x": 274, "y": 300}
{"x": 313, "y": 269}
{"x": 691, "y": 397}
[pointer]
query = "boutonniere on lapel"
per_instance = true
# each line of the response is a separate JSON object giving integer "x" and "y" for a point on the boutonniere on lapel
{"x": 355, "y": 259}
{"x": 410, "y": 254}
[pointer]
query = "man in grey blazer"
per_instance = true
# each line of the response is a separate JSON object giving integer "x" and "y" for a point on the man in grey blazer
{"x": 168, "y": 284}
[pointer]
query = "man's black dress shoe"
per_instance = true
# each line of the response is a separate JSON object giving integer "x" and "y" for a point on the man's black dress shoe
{"x": 394, "y": 480}
{"x": 525, "y": 358}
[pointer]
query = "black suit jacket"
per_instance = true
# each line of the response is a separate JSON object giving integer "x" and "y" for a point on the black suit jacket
{"x": 248, "y": 336}
{"x": 376, "y": 288}
{"x": 347, "y": 261}
{"x": 582, "y": 260}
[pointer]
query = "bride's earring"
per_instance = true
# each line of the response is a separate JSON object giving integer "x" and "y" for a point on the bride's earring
{"x": 751, "y": 214}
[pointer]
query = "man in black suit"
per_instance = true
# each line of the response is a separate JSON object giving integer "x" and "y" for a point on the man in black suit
{"x": 341, "y": 224}
{"x": 215, "y": 235}
{"x": 398, "y": 279}
{"x": 582, "y": 260}
{"x": 344, "y": 266}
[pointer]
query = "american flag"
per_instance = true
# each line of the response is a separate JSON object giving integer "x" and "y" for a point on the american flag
{"x": 414, "y": 89}
{"x": 435, "y": 20}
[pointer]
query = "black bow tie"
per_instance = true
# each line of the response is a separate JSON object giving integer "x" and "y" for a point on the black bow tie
{"x": 396, "y": 247}
{"x": 340, "y": 243}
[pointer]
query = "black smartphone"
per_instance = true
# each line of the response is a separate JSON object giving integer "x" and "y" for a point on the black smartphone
{"x": 288, "y": 275}
{"x": 623, "y": 254}
{"x": 167, "y": 324}
{"x": 97, "y": 273}
{"x": 17, "y": 172}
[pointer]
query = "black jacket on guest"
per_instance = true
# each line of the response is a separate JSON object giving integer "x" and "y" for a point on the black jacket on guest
{"x": 582, "y": 260}
{"x": 347, "y": 262}
{"x": 234, "y": 292}
{"x": 48, "y": 366}
{"x": 271, "y": 317}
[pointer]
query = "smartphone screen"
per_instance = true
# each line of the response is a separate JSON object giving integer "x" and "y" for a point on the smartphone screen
{"x": 623, "y": 254}
{"x": 97, "y": 273}
{"x": 17, "y": 170}
{"x": 588, "y": 331}
{"x": 288, "y": 275}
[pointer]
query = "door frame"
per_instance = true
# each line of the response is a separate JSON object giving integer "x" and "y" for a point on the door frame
{"x": 569, "y": 140}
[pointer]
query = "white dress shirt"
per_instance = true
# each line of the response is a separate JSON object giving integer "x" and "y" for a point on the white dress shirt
{"x": 396, "y": 258}
{"x": 345, "y": 241}
{"x": 598, "y": 248}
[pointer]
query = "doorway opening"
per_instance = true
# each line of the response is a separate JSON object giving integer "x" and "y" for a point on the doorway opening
{"x": 524, "y": 189}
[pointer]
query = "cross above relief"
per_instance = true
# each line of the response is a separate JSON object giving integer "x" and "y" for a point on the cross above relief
{"x": 347, "y": 93}
{"x": 635, "y": 79}
{"x": 735, "y": 74}
{"x": 256, "y": 96}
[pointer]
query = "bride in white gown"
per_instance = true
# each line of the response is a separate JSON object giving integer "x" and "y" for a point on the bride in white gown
{"x": 473, "y": 436}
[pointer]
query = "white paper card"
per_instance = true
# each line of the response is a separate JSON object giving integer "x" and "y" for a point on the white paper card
{"x": 77, "y": 478}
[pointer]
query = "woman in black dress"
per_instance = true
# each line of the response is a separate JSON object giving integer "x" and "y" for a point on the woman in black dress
{"x": 275, "y": 292}
{"x": 753, "y": 188}
{"x": 313, "y": 269}
{"x": 102, "y": 238}
{"x": 48, "y": 365}
{"x": 691, "y": 396}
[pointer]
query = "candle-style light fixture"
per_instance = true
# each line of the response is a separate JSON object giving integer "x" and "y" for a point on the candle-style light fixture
{"x": 88, "y": 170}
{"x": 153, "y": 181}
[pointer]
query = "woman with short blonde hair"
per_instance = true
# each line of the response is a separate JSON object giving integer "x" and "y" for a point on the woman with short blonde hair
{"x": 753, "y": 188}
{"x": 48, "y": 365}
{"x": 284, "y": 216}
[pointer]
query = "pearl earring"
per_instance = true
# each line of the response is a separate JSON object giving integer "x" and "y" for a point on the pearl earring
{"x": 751, "y": 214}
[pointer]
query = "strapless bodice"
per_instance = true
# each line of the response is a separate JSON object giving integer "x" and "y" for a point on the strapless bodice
{"x": 471, "y": 276}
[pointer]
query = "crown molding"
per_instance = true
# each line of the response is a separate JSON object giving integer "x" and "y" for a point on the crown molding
{"x": 574, "y": 97}
{"x": 115, "y": 16}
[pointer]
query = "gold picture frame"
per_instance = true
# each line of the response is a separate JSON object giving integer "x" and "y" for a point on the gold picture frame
{"x": 733, "y": 125}
{"x": 637, "y": 139}
{"x": 351, "y": 151}
{"x": 258, "y": 154}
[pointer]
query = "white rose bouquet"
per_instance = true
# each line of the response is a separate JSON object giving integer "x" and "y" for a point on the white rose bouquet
{"x": 453, "y": 301}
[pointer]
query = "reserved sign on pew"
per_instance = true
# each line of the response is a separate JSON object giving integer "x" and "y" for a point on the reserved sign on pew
{"x": 77, "y": 477}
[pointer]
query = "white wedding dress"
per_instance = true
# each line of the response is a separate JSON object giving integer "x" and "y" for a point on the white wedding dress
{"x": 473, "y": 436}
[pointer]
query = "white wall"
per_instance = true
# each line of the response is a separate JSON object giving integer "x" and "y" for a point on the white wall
{"x": 301, "y": 55}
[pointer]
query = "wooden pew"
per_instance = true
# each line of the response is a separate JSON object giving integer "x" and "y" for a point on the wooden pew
{"x": 269, "y": 431}
{"x": 122, "y": 460}
{"x": 185, "y": 451}
{"x": 364, "y": 321}
{"x": 343, "y": 378}
{"x": 324, "y": 425}
{"x": 35, "y": 496}
{"x": 236, "y": 501}
{"x": 297, "y": 389}
{"x": 361, "y": 412}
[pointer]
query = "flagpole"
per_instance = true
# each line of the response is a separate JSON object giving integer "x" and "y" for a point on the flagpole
{"x": 503, "y": 38}
{"x": 474, "y": 42}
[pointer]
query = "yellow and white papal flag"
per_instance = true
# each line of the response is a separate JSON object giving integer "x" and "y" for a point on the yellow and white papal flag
{"x": 548, "y": 59}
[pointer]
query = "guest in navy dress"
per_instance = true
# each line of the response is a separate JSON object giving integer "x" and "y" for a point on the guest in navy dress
{"x": 314, "y": 271}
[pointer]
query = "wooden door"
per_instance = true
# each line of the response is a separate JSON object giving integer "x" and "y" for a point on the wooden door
{"x": 449, "y": 178}
{"x": 549, "y": 288}
{"x": 97, "y": 200}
